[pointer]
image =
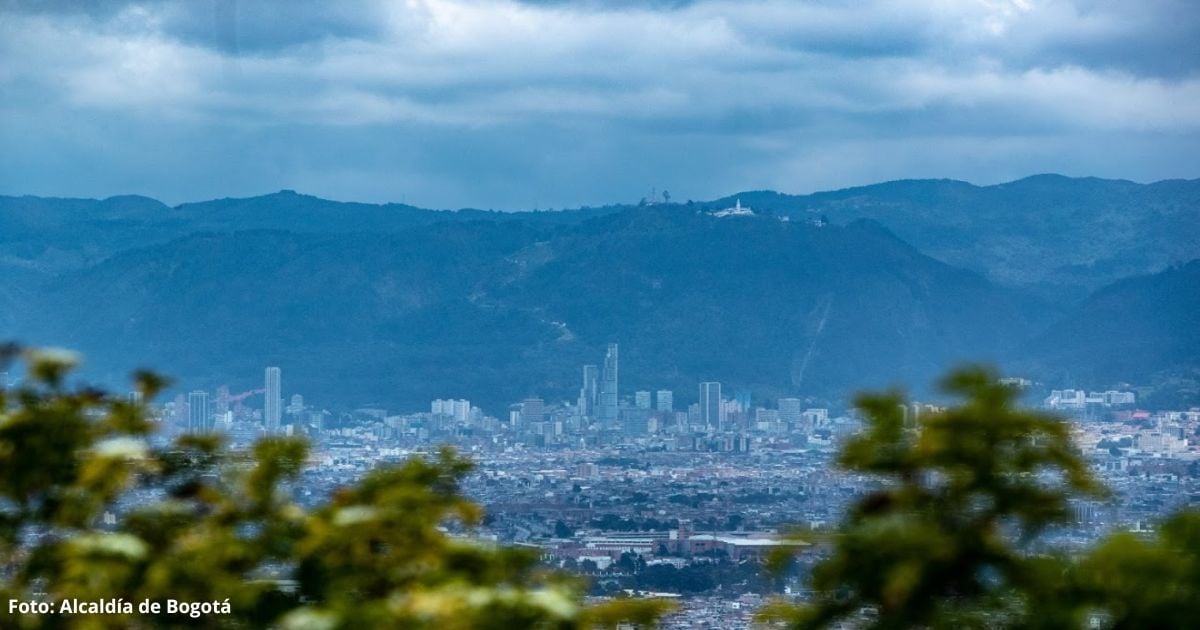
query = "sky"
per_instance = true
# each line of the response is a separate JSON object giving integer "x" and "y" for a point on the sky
{"x": 552, "y": 104}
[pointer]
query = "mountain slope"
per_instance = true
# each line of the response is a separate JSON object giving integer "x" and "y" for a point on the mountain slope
{"x": 499, "y": 310}
{"x": 395, "y": 303}
{"x": 785, "y": 307}
{"x": 1137, "y": 326}
{"x": 1063, "y": 235}
{"x": 349, "y": 317}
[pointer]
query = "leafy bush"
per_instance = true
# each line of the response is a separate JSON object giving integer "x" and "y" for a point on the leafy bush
{"x": 945, "y": 543}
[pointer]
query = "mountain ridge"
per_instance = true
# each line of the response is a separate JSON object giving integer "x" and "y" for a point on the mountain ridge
{"x": 780, "y": 301}
{"x": 1061, "y": 236}
{"x": 501, "y": 310}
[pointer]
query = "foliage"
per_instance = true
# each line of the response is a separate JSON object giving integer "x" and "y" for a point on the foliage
{"x": 944, "y": 543}
{"x": 701, "y": 577}
{"x": 1139, "y": 583}
{"x": 612, "y": 522}
{"x": 222, "y": 527}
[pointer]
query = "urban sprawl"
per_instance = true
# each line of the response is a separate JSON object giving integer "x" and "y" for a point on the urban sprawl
{"x": 648, "y": 497}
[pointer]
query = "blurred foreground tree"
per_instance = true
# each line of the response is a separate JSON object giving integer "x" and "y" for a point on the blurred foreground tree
{"x": 219, "y": 531}
{"x": 945, "y": 542}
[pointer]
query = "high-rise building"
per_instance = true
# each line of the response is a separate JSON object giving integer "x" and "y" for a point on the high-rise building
{"x": 462, "y": 410}
{"x": 589, "y": 393}
{"x": 641, "y": 399}
{"x": 664, "y": 400}
{"x": 815, "y": 418}
{"x": 273, "y": 399}
{"x": 635, "y": 421}
{"x": 766, "y": 420}
{"x": 199, "y": 413}
{"x": 712, "y": 412}
{"x": 459, "y": 409}
{"x": 532, "y": 410}
{"x": 296, "y": 404}
{"x": 791, "y": 412}
{"x": 608, "y": 407}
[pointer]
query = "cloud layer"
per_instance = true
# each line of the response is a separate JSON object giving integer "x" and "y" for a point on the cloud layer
{"x": 522, "y": 104}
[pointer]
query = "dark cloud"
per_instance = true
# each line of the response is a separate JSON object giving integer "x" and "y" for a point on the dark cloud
{"x": 1159, "y": 38}
{"x": 258, "y": 26}
{"x": 230, "y": 26}
{"x": 507, "y": 104}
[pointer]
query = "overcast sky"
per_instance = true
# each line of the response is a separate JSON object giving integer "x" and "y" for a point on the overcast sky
{"x": 452, "y": 103}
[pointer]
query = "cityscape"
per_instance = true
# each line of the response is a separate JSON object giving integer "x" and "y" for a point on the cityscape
{"x": 642, "y": 497}
{"x": 584, "y": 315}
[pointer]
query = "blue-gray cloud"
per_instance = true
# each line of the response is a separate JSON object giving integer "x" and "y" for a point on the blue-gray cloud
{"x": 515, "y": 104}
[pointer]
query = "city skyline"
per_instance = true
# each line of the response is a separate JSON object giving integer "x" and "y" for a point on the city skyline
{"x": 728, "y": 423}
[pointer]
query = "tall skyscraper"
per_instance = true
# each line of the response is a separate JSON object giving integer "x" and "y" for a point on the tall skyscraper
{"x": 273, "y": 400}
{"x": 607, "y": 413}
{"x": 199, "y": 413}
{"x": 664, "y": 400}
{"x": 588, "y": 394}
{"x": 641, "y": 399}
{"x": 712, "y": 412}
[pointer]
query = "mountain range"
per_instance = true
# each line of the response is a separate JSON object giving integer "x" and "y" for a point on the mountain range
{"x": 1062, "y": 237}
{"x": 812, "y": 295}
